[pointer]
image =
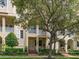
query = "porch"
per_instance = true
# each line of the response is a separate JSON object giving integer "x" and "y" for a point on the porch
{"x": 6, "y": 24}
{"x": 35, "y": 43}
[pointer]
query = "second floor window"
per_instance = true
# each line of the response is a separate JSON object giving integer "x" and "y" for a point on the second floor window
{"x": 21, "y": 34}
{"x": 3, "y": 3}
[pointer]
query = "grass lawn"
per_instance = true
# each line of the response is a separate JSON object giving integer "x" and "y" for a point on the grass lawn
{"x": 37, "y": 58}
{"x": 20, "y": 58}
{"x": 67, "y": 58}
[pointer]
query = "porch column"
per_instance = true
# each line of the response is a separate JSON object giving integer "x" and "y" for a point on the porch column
{"x": 3, "y": 25}
{"x": 37, "y": 38}
{"x": 27, "y": 40}
{"x": 3, "y": 31}
{"x": 57, "y": 47}
{"x": 66, "y": 46}
{"x": 37, "y": 44}
{"x": 47, "y": 42}
{"x": 75, "y": 44}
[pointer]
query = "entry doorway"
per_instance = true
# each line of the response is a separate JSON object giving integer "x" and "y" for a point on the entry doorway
{"x": 70, "y": 44}
{"x": 32, "y": 45}
{"x": 62, "y": 46}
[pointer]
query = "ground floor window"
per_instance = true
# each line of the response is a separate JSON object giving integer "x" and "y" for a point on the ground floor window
{"x": 77, "y": 43}
{"x": 40, "y": 42}
{"x": 21, "y": 34}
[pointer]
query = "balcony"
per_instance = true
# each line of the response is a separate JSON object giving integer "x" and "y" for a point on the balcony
{"x": 32, "y": 31}
{"x": 8, "y": 29}
{"x": 3, "y": 9}
{"x": 41, "y": 32}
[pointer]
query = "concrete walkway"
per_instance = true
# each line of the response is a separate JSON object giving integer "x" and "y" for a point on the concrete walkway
{"x": 22, "y": 56}
{"x": 37, "y": 56}
{"x": 68, "y": 55}
{"x": 28, "y": 56}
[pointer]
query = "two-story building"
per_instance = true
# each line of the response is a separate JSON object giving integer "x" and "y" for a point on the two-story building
{"x": 34, "y": 38}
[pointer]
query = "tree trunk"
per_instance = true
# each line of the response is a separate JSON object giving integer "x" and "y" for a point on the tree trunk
{"x": 52, "y": 41}
{"x": 54, "y": 49}
{"x": 50, "y": 50}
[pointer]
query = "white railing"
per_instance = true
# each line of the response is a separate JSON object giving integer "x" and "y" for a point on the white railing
{"x": 9, "y": 29}
{"x": 32, "y": 30}
{"x": 3, "y": 9}
{"x": 41, "y": 32}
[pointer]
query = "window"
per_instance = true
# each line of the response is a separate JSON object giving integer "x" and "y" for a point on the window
{"x": 35, "y": 42}
{"x": 21, "y": 34}
{"x": 40, "y": 42}
{"x": 77, "y": 43}
{"x": 3, "y": 3}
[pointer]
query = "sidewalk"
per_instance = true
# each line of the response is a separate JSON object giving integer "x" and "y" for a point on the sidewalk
{"x": 37, "y": 56}
{"x": 27, "y": 56}
{"x": 23, "y": 56}
{"x": 72, "y": 56}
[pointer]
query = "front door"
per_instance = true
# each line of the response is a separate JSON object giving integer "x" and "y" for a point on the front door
{"x": 32, "y": 46}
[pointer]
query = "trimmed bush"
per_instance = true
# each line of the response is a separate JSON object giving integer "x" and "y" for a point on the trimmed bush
{"x": 73, "y": 52}
{"x": 11, "y": 40}
{"x": 14, "y": 51}
{"x": 43, "y": 51}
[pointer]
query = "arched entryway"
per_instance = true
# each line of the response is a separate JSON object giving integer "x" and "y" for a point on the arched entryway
{"x": 61, "y": 46}
{"x": 70, "y": 44}
{"x": 62, "y": 43}
{"x": 0, "y": 43}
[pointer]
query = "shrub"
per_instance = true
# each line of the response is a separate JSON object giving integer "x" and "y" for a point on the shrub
{"x": 73, "y": 52}
{"x": 11, "y": 40}
{"x": 14, "y": 51}
{"x": 43, "y": 51}
{"x": 25, "y": 49}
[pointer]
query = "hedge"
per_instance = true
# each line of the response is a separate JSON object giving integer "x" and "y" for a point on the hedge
{"x": 73, "y": 52}
{"x": 14, "y": 51}
{"x": 43, "y": 51}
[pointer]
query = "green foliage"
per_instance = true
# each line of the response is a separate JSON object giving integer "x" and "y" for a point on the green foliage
{"x": 44, "y": 51}
{"x": 74, "y": 52}
{"x": 51, "y": 15}
{"x": 14, "y": 51}
{"x": 11, "y": 40}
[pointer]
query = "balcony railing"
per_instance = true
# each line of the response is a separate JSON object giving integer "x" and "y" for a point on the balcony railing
{"x": 41, "y": 32}
{"x": 9, "y": 29}
{"x": 32, "y": 30}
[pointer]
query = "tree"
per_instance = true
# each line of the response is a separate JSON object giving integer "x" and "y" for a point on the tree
{"x": 11, "y": 40}
{"x": 51, "y": 15}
